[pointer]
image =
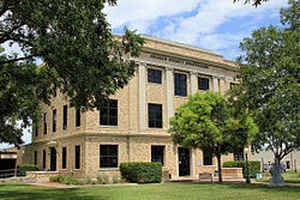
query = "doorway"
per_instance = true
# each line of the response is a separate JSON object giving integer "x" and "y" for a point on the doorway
{"x": 184, "y": 161}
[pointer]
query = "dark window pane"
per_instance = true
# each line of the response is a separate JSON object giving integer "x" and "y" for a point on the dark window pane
{"x": 108, "y": 156}
{"x": 78, "y": 116}
{"x": 77, "y": 157}
{"x": 109, "y": 113}
{"x": 180, "y": 84}
{"x": 45, "y": 124}
{"x": 203, "y": 83}
{"x": 64, "y": 158}
{"x": 44, "y": 159}
{"x": 54, "y": 120}
{"x": 35, "y": 157}
{"x": 238, "y": 155}
{"x": 157, "y": 154}
{"x": 155, "y": 115}
{"x": 154, "y": 76}
{"x": 65, "y": 117}
{"x": 207, "y": 158}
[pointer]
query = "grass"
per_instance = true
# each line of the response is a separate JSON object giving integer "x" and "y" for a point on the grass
{"x": 287, "y": 180}
{"x": 171, "y": 191}
{"x": 289, "y": 177}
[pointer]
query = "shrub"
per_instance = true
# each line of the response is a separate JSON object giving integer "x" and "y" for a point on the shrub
{"x": 115, "y": 179}
{"x": 254, "y": 166}
{"x": 22, "y": 169}
{"x": 72, "y": 181}
{"x": 88, "y": 180}
{"x": 141, "y": 172}
{"x": 102, "y": 179}
{"x": 59, "y": 179}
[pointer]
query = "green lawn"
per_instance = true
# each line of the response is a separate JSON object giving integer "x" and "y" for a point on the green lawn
{"x": 287, "y": 180}
{"x": 172, "y": 191}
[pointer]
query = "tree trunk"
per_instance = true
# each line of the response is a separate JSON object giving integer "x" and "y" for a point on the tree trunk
{"x": 277, "y": 179}
{"x": 219, "y": 168}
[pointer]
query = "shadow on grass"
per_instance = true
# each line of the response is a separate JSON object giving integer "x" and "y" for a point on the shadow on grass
{"x": 47, "y": 194}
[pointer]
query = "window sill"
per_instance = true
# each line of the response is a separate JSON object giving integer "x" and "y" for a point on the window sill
{"x": 108, "y": 169}
{"x": 76, "y": 169}
{"x": 108, "y": 126}
{"x": 177, "y": 96}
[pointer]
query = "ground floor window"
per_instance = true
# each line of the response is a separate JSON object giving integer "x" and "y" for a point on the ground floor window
{"x": 77, "y": 157}
{"x": 157, "y": 154}
{"x": 108, "y": 156}
{"x": 64, "y": 158}
{"x": 35, "y": 158}
{"x": 207, "y": 158}
{"x": 44, "y": 159}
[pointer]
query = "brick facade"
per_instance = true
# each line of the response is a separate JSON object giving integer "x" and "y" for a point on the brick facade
{"x": 132, "y": 134}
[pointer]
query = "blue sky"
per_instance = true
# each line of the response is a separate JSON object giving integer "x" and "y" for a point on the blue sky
{"x": 215, "y": 25}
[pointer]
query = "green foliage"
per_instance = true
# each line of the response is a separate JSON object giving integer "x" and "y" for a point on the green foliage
{"x": 141, "y": 172}
{"x": 22, "y": 169}
{"x": 58, "y": 178}
{"x": 72, "y": 181}
{"x": 115, "y": 179}
{"x": 102, "y": 179}
{"x": 270, "y": 71}
{"x": 253, "y": 166}
{"x": 209, "y": 122}
{"x": 82, "y": 59}
{"x": 253, "y": 2}
{"x": 88, "y": 180}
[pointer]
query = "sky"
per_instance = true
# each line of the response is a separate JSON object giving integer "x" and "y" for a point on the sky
{"x": 215, "y": 25}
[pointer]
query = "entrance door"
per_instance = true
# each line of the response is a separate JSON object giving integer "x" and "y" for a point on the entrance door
{"x": 52, "y": 159}
{"x": 184, "y": 161}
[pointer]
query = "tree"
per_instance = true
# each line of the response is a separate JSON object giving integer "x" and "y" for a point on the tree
{"x": 81, "y": 57}
{"x": 270, "y": 71}
{"x": 253, "y": 2}
{"x": 208, "y": 122}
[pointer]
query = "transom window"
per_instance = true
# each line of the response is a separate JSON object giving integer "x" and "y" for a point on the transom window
{"x": 155, "y": 115}
{"x": 157, "y": 154}
{"x": 180, "y": 84}
{"x": 108, "y": 156}
{"x": 154, "y": 76}
{"x": 207, "y": 158}
{"x": 109, "y": 113}
{"x": 203, "y": 83}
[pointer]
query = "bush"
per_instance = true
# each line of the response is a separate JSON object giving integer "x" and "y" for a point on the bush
{"x": 115, "y": 179}
{"x": 88, "y": 180}
{"x": 22, "y": 169}
{"x": 141, "y": 172}
{"x": 254, "y": 166}
{"x": 102, "y": 179}
{"x": 72, "y": 181}
{"x": 59, "y": 179}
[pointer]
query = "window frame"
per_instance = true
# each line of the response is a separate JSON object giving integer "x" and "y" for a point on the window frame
{"x": 109, "y": 113}
{"x": 180, "y": 84}
{"x": 154, "y": 157}
{"x": 154, "y": 75}
{"x": 105, "y": 156}
{"x": 155, "y": 115}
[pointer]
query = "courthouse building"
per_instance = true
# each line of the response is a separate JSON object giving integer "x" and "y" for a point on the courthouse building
{"x": 133, "y": 126}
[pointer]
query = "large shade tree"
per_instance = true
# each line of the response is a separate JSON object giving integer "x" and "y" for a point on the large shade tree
{"x": 82, "y": 59}
{"x": 270, "y": 73}
{"x": 209, "y": 122}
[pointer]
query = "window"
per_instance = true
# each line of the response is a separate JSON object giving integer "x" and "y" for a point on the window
{"x": 154, "y": 76}
{"x": 44, "y": 159}
{"x": 35, "y": 158}
{"x": 45, "y": 124}
{"x": 109, "y": 113}
{"x": 238, "y": 155}
{"x": 64, "y": 158}
{"x": 77, "y": 157}
{"x": 36, "y": 129}
{"x": 180, "y": 85}
{"x": 54, "y": 120}
{"x": 155, "y": 115}
{"x": 203, "y": 83}
{"x": 207, "y": 158}
{"x": 77, "y": 117}
{"x": 65, "y": 117}
{"x": 108, "y": 156}
{"x": 157, "y": 154}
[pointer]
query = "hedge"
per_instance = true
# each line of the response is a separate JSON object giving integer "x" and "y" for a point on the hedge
{"x": 254, "y": 166}
{"x": 141, "y": 172}
{"x": 22, "y": 169}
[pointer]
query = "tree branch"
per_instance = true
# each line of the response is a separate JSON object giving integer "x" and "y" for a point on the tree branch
{"x": 18, "y": 59}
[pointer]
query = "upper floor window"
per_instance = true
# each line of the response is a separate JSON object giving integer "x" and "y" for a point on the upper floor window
{"x": 54, "y": 120}
{"x": 108, "y": 156}
{"x": 109, "y": 113}
{"x": 36, "y": 129}
{"x": 203, "y": 83}
{"x": 65, "y": 117}
{"x": 180, "y": 84}
{"x": 45, "y": 124}
{"x": 157, "y": 154}
{"x": 207, "y": 158}
{"x": 77, "y": 117}
{"x": 154, "y": 76}
{"x": 155, "y": 115}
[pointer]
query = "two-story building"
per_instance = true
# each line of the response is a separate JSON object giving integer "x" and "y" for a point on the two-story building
{"x": 133, "y": 126}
